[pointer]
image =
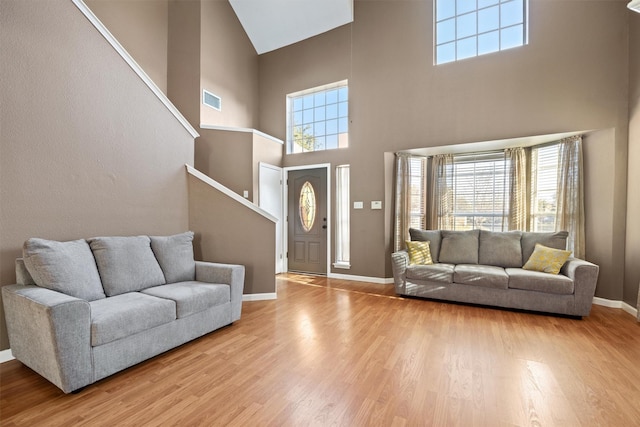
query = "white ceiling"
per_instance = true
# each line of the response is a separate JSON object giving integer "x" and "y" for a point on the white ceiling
{"x": 272, "y": 24}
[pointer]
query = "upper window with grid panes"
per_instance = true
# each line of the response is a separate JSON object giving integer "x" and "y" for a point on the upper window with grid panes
{"x": 468, "y": 28}
{"x": 318, "y": 118}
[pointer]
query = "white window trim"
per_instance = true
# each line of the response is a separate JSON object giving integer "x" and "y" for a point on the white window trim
{"x": 329, "y": 86}
{"x": 340, "y": 206}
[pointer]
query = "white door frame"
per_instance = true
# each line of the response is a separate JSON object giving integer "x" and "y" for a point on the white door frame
{"x": 285, "y": 209}
{"x": 280, "y": 234}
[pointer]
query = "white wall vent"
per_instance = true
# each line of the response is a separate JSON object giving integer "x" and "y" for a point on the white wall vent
{"x": 213, "y": 101}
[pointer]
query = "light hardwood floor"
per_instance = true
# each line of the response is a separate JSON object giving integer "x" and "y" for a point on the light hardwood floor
{"x": 332, "y": 352}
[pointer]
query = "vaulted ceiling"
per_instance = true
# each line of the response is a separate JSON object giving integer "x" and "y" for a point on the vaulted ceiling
{"x": 272, "y": 24}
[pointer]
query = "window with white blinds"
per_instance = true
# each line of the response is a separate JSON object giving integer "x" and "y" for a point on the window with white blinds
{"x": 418, "y": 186}
{"x": 544, "y": 182}
{"x": 343, "y": 241}
{"x": 480, "y": 192}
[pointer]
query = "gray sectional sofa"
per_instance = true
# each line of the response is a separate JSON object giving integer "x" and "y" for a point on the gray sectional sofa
{"x": 85, "y": 309}
{"x": 484, "y": 267}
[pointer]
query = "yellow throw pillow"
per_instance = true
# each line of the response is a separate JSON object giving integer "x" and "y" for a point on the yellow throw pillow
{"x": 419, "y": 253}
{"x": 546, "y": 260}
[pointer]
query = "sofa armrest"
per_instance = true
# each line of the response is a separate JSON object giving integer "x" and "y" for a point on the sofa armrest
{"x": 399, "y": 263}
{"x": 227, "y": 274}
{"x": 585, "y": 277}
{"x": 50, "y": 332}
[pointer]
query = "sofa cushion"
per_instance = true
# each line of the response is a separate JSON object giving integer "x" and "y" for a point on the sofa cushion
{"x": 546, "y": 260}
{"x": 431, "y": 236}
{"x": 126, "y": 264}
{"x": 419, "y": 253}
{"x": 67, "y": 267}
{"x": 442, "y": 273}
{"x": 127, "y": 314}
{"x": 556, "y": 240}
{"x": 192, "y": 297}
{"x": 537, "y": 281}
{"x": 459, "y": 247}
{"x": 487, "y": 276}
{"x": 501, "y": 249}
{"x": 175, "y": 256}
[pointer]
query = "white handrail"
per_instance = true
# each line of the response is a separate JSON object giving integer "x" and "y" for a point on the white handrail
{"x": 228, "y": 192}
{"x": 134, "y": 65}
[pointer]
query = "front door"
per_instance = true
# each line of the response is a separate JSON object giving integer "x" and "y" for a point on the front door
{"x": 307, "y": 221}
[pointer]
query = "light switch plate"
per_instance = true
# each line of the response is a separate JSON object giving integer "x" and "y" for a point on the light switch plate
{"x": 358, "y": 205}
{"x": 376, "y": 204}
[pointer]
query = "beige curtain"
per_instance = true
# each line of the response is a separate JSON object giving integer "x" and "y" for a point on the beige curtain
{"x": 441, "y": 216}
{"x": 518, "y": 188}
{"x": 402, "y": 217}
{"x": 570, "y": 208}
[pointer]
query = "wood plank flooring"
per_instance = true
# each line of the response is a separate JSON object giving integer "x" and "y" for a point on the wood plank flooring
{"x": 332, "y": 352}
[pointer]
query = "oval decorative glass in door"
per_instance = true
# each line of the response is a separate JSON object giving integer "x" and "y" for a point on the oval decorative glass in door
{"x": 308, "y": 206}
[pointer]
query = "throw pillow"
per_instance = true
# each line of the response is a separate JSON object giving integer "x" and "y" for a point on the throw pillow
{"x": 556, "y": 240}
{"x": 126, "y": 264}
{"x": 66, "y": 267}
{"x": 547, "y": 260}
{"x": 459, "y": 247}
{"x": 419, "y": 253}
{"x": 175, "y": 256}
{"x": 431, "y": 236}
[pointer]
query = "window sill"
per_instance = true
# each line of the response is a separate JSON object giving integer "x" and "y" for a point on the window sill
{"x": 343, "y": 265}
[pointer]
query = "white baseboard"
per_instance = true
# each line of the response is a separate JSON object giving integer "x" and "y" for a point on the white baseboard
{"x": 616, "y": 304}
{"x": 259, "y": 297}
{"x": 6, "y": 355}
{"x": 378, "y": 280}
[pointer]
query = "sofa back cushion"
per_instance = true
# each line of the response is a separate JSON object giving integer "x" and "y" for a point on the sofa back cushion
{"x": 556, "y": 240}
{"x": 459, "y": 247}
{"x": 67, "y": 267}
{"x": 501, "y": 249}
{"x": 126, "y": 264}
{"x": 431, "y": 236}
{"x": 175, "y": 256}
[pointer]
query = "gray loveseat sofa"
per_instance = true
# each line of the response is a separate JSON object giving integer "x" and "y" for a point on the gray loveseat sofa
{"x": 484, "y": 267}
{"x": 85, "y": 309}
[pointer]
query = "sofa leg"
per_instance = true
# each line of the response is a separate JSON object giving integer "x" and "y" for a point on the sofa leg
{"x": 78, "y": 390}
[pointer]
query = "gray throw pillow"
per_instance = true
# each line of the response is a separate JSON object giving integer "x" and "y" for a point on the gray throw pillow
{"x": 459, "y": 247}
{"x": 126, "y": 264}
{"x": 431, "y": 236}
{"x": 66, "y": 267}
{"x": 175, "y": 256}
{"x": 556, "y": 240}
{"x": 501, "y": 249}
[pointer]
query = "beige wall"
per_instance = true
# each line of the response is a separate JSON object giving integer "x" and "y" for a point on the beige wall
{"x": 226, "y": 157}
{"x": 229, "y": 68}
{"x": 215, "y": 148}
{"x": 632, "y": 254}
{"x": 246, "y": 238}
{"x": 142, "y": 27}
{"x": 183, "y": 56}
{"x": 86, "y": 148}
{"x": 565, "y": 79}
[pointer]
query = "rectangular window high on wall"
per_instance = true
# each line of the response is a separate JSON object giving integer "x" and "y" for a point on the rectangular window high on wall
{"x": 343, "y": 239}
{"x": 480, "y": 192}
{"x": 468, "y": 28}
{"x": 544, "y": 182}
{"x": 318, "y": 118}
